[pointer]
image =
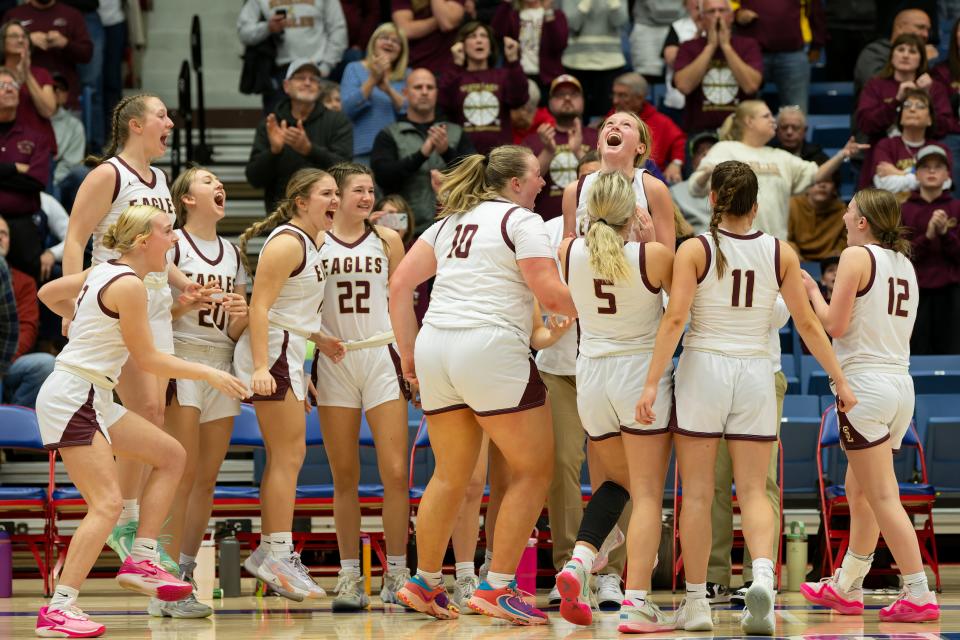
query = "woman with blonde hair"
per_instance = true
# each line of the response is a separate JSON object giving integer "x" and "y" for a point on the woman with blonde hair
{"x": 372, "y": 88}
{"x": 870, "y": 317}
{"x": 108, "y": 305}
{"x": 284, "y": 313}
{"x": 744, "y": 136}
{"x": 491, "y": 255}
{"x": 198, "y": 416}
{"x": 727, "y": 281}
{"x": 616, "y": 286}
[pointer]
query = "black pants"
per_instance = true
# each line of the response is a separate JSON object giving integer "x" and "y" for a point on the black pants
{"x": 935, "y": 331}
{"x": 26, "y": 245}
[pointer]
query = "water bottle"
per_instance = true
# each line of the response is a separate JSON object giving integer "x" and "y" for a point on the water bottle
{"x": 204, "y": 573}
{"x": 527, "y": 568}
{"x": 796, "y": 556}
{"x": 230, "y": 567}
{"x": 6, "y": 565}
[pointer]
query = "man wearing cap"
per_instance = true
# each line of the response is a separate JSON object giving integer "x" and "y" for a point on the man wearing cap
{"x": 630, "y": 94}
{"x": 559, "y": 148}
{"x": 933, "y": 217}
{"x": 300, "y": 134}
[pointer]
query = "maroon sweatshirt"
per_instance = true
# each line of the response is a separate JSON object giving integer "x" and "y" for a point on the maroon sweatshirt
{"x": 777, "y": 26}
{"x": 563, "y": 169}
{"x": 895, "y": 151}
{"x": 937, "y": 261}
{"x": 941, "y": 74}
{"x": 362, "y": 18}
{"x": 480, "y": 101}
{"x": 72, "y": 25}
{"x": 20, "y": 196}
{"x": 553, "y": 38}
{"x": 432, "y": 51}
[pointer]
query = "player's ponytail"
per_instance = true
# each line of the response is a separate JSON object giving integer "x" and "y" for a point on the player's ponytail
{"x": 132, "y": 226}
{"x": 299, "y": 187}
{"x": 734, "y": 185}
{"x": 611, "y": 206}
{"x": 179, "y": 189}
{"x": 479, "y": 178}
{"x": 882, "y": 212}
{"x": 129, "y": 108}
{"x": 343, "y": 172}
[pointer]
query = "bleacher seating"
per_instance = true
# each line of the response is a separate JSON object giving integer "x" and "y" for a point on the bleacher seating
{"x": 798, "y": 429}
{"x": 831, "y": 97}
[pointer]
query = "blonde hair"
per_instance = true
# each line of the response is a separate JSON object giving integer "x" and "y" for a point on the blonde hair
{"x": 479, "y": 178}
{"x": 681, "y": 228}
{"x": 180, "y": 188}
{"x": 645, "y": 137}
{"x": 735, "y": 186}
{"x": 133, "y": 225}
{"x": 299, "y": 186}
{"x": 129, "y": 108}
{"x": 882, "y": 212}
{"x": 611, "y": 205}
{"x": 735, "y": 124}
{"x": 399, "y": 69}
{"x": 342, "y": 172}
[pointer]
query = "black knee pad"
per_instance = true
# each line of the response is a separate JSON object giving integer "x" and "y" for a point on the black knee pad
{"x": 602, "y": 513}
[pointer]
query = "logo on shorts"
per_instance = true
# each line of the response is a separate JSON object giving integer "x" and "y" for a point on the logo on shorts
{"x": 846, "y": 433}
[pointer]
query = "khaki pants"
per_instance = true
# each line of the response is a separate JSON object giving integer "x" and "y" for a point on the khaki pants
{"x": 721, "y": 515}
{"x": 564, "y": 500}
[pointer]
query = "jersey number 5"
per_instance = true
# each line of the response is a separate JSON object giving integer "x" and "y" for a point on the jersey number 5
{"x": 895, "y": 303}
{"x": 738, "y": 276}
{"x": 607, "y": 297}
{"x": 462, "y": 239}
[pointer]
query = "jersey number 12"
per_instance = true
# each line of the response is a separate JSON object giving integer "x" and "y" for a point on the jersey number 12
{"x": 896, "y": 300}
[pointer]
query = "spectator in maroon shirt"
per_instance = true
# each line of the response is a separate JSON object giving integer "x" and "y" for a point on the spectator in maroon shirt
{"x": 932, "y": 215}
{"x": 947, "y": 73}
{"x": 362, "y": 17}
{"x": 430, "y": 27}
{"x": 38, "y": 101}
{"x": 60, "y": 40}
{"x": 24, "y": 170}
{"x": 542, "y": 32}
{"x": 717, "y": 71}
{"x": 560, "y": 147}
{"x": 477, "y": 96}
{"x": 879, "y": 102}
{"x": 669, "y": 142}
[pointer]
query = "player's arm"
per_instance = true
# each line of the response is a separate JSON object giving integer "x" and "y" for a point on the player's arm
{"x": 60, "y": 295}
{"x": 660, "y": 205}
{"x": 853, "y": 272}
{"x": 545, "y": 335}
{"x": 659, "y": 265}
{"x": 542, "y": 277}
{"x": 93, "y": 202}
{"x": 569, "y": 208}
{"x": 419, "y": 265}
{"x": 395, "y": 242}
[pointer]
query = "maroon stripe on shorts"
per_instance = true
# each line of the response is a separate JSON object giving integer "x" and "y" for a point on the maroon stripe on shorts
{"x": 171, "y": 391}
{"x": 693, "y": 434}
{"x": 738, "y": 436}
{"x": 606, "y": 436}
{"x": 280, "y": 372}
{"x": 453, "y": 407}
{"x": 644, "y": 432}
{"x": 404, "y": 385}
{"x": 81, "y": 428}
{"x": 850, "y": 438}
{"x": 534, "y": 395}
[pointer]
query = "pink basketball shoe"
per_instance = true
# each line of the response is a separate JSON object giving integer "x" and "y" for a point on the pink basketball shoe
{"x": 827, "y": 593}
{"x": 907, "y": 608}
{"x": 150, "y": 579}
{"x": 66, "y": 623}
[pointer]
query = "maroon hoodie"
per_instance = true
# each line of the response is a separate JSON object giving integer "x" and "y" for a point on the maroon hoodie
{"x": 937, "y": 261}
{"x": 553, "y": 38}
{"x": 480, "y": 102}
{"x": 777, "y": 26}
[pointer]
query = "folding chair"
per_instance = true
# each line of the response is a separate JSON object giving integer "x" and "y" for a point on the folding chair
{"x": 917, "y": 499}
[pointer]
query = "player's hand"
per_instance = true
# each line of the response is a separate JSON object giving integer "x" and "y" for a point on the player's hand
{"x": 228, "y": 384}
{"x": 644, "y": 231}
{"x": 331, "y": 347}
{"x": 263, "y": 383}
{"x": 644, "y": 413}
{"x": 409, "y": 368}
{"x": 558, "y": 325}
{"x": 809, "y": 284}
{"x": 845, "y": 398}
{"x": 311, "y": 396}
{"x": 198, "y": 296}
{"x": 414, "y": 393}
{"x": 235, "y": 304}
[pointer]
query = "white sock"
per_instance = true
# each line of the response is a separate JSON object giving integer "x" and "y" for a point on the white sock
{"x": 499, "y": 580}
{"x": 350, "y": 565}
{"x": 488, "y": 556}
{"x": 431, "y": 578}
{"x": 763, "y": 571}
{"x": 635, "y": 597}
{"x": 280, "y": 544}
{"x": 464, "y": 570}
{"x": 185, "y": 559}
{"x": 585, "y": 555}
{"x": 916, "y": 584}
{"x": 396, "y": 563}
{"x": 853, "y": 570}
{"x": 130, "y": 513}
{"x": 696, "y": 590}
{"x": 145, "y": 549}
{"x": 63, "y": 597}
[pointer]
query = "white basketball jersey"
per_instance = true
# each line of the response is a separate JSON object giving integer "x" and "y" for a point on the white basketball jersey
{"x": 478, "y": 281}
{"x": 355, "y": 299}
{"x": 204, "y": 262}
{"x": 300, "y": 300}
{"x": 128, "y": 189}
{"x": 615, "y": 318}
{"x": 733, "y": 315}
{"x": 883, "y": 315}
{"x": 583, "y": 190}
{"x": 94, "y": 340}
{"x": 560, "y": 359}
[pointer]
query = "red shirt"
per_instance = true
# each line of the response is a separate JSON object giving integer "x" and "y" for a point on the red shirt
{"x": 432, "y": 51}
{"x": 71, "y": 24}
{"x": 708, "y": 109}
{"x": 28, "y": 312}
{"x": 563, "y": 170}
{"x": 542, "y": 116}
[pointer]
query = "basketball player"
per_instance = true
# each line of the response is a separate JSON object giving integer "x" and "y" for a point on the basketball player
{"x": 141, "y": 127}
{"x": 77, "y": 415}
{"x": 727, "y": 281}
{"x": 624, "y": 146}
{"x": 616, "y": 286}
{"x": 871, "y": 316}
{"x": 199, "y": 416}
{"x": 284, "y": 313}
{"x": 357, "y": 259}
{"x": 491, "y": 255}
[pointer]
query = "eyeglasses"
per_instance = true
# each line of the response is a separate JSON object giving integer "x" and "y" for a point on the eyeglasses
{"x": 307, "y": 78}
{"x": 15, "y": 36}
{"x": 792, "y": 127}
{"x": 915, "y": 104}
{"x": 9, "y": 84}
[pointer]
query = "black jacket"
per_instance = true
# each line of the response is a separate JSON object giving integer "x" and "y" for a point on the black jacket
{"x": 331, "y": 134}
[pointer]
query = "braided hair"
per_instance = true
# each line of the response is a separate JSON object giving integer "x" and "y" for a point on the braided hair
{"x": 735, "y": 187}
{"x": 129, "y": 108}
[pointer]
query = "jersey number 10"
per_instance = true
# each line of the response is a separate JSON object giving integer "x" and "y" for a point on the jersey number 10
{"x": 462, "y": 239}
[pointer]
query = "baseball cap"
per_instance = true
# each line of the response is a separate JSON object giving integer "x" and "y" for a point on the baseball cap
{"x": 565, "y": 78}
{"x": 300, "y": 63}
{"x": 933, "y": 150}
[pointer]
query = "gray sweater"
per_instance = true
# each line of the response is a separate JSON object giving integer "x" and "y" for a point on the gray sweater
{"x": 594, "y": 43}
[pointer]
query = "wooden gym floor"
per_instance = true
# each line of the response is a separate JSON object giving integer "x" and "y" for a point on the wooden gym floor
{"x": 272, "y": 617}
